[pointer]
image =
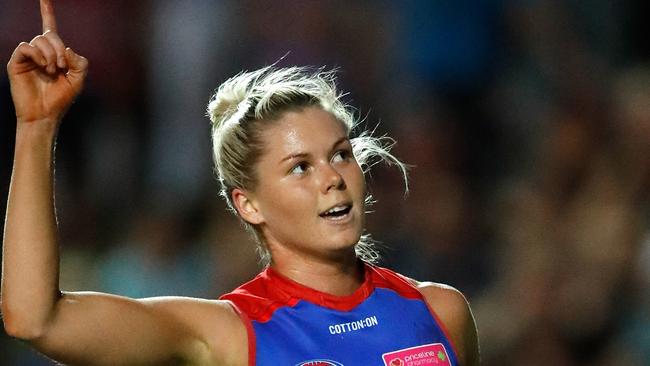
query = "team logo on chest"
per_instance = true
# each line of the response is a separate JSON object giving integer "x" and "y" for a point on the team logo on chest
{"x": 320, "y": 363}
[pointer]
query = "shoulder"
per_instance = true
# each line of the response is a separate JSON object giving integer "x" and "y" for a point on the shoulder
{"x": 257, "y": 298}
{"x": 453, "y": 311}
{"x": 215, "y": 322}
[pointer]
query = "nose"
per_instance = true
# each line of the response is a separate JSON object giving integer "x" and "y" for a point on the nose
{"x": 331, "y": 179}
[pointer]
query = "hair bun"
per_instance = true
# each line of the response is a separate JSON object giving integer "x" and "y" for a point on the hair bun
{"x": 229, "y": 99}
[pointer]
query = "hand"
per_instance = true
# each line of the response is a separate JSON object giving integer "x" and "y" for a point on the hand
{"x": 45, "y": 76}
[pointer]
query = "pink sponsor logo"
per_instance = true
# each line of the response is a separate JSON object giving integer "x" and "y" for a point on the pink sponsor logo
{"x": 428, "y": 354}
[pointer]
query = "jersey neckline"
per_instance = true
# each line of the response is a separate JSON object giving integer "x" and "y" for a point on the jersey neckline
{"x": 298, "y": 291}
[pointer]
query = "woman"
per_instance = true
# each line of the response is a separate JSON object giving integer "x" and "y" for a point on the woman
{"x": 289, "y": 169}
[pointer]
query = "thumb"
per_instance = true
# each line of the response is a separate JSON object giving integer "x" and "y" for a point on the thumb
{"x": 77, "y": 67}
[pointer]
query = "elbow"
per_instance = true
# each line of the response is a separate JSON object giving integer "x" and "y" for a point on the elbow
{"x": 20, "y": 326}
{"x": 21, "y": 330}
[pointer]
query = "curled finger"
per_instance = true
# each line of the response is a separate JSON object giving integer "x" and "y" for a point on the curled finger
{"x": 59, "y": 47}
{"x": 77, "y": 69}
{"x": 76, "y": 62}
{"x": 25, "y": 52}
{"x": 43, "y": 44}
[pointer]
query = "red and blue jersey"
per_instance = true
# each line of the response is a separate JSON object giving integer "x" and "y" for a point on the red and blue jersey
{"x": 384, "y": 322}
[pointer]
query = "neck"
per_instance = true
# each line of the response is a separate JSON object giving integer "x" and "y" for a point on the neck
{"x": 339, "y": 277}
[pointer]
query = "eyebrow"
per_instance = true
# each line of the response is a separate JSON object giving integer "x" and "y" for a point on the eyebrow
{"x": 304, "y": 155}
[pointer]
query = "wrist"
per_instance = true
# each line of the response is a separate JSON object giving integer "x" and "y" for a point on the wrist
{"x": 41, "y": 132}
{"x": 41, "y": 127}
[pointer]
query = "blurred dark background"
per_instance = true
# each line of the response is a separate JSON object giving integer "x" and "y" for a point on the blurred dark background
{"x": 528, "y": 123}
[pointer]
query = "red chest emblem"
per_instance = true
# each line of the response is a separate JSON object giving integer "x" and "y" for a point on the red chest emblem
{"x": 319, "y": 363}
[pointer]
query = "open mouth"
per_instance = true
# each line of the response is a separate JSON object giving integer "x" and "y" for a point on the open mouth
{"x": 337, "y": 212}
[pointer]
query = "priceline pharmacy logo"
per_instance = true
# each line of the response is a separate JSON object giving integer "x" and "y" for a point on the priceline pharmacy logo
{"x": 428, "y": 354}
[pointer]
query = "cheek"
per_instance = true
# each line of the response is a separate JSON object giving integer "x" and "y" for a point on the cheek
{"x": 356, "y": 180}
{"x": 288, "y": 204}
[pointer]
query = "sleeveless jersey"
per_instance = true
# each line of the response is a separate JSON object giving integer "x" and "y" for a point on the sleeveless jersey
{"x": 385, "y": 322}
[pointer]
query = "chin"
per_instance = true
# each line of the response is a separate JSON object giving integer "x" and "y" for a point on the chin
{"x": 344, "y": 240}
{"x": 346, "y": 235}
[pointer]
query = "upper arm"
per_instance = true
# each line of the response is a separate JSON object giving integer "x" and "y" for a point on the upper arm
{"x": 100, "y": 329}
{"x": 453, "y": 310}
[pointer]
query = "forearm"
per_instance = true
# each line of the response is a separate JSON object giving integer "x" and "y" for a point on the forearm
{"x": 30, "y": 268}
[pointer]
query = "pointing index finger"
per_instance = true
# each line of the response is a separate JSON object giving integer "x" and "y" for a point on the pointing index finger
{"x": 47, "y": 16}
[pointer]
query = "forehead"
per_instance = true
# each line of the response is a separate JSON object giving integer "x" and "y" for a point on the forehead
{"x": 302, "y": 131}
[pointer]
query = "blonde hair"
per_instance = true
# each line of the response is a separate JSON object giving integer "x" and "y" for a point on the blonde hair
{"x": 245, "y": 103}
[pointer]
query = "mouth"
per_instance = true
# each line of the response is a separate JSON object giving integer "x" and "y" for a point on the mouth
{"x": 339, "y": 212}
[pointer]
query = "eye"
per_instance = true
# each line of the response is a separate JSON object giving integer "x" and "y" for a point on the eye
{"x": 299, "y": 169}
{"x": 341, "y": 155}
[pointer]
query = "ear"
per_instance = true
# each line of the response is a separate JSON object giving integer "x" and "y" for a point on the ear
{"x": 246, "y": 206}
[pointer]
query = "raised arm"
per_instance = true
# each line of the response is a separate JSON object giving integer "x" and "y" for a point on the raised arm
{"x": 45, "y": 78}
{"x": 82, "y": 328}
